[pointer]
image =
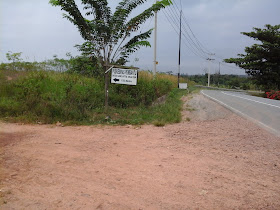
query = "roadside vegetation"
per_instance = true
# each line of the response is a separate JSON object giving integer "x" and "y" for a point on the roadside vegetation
{"x": 72, "y": 90}
{"x": 71, "y": 98}
{"x": 224, "y": 81}
{"x": 261, "y": 60}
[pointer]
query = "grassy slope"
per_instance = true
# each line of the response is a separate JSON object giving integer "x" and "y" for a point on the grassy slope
{"x": 49, "y": 97}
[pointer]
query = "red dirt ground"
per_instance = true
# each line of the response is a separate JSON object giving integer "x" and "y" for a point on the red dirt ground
{"x": 216, "y": 161}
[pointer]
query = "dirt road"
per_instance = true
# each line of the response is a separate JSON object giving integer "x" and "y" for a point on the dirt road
{"x": 212, "y": 160}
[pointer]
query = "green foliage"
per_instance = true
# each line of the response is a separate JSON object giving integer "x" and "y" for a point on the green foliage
{"x": 85, "y": 65}
{"x": 159, "y": 115}
{"x": 261, "y": 61}
{"x": 54, "y": 2}
{"x": 224, "y": 81}
{"x": 15, "y": 58}
{"x": 108, "y": 35}
{"x": 50, "y": 96}
{"x": 144, "y": 93}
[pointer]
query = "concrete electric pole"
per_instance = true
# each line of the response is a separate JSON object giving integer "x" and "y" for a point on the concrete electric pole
{"x": 209, "y": 60}
{"x": 180, "y": 38}
{"x": 155, "y": 46}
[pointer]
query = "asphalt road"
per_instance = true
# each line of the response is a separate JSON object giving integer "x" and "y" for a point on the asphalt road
{"x": 262, "y": 111}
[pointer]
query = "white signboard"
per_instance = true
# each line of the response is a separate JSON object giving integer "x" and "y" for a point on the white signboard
{"x": 124, "y": 76}
{"x": 183, "y": 85}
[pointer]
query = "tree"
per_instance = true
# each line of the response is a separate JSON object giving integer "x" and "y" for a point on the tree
{"x": 15, "y": 58}
{"x": 108, "y": 35}
{"x": 262, "y": 61}
{"x": 85, "y": 66}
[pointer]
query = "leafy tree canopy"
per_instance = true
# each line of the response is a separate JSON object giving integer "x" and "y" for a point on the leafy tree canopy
{"x": 262, "y": 61}
{"x": 109, "y": 36}
{"x": 14, "y": 57}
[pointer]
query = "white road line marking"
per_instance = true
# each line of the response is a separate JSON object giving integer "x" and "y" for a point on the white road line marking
{"x": 245, "y": 115}
{"x": 251, "y": 100}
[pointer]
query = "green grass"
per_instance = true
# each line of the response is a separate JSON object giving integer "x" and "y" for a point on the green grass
{"x": 159, "y": 115}
{"x": 262, "y": 95}
{"x": 48, "y": 97}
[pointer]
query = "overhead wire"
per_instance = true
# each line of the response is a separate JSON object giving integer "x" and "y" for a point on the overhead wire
{"x": 198, "y": 44}
{"x": 170, "y": 18}
{"x": 201, "y": 46}
{"x": 222, "y": 62}
{"x": 189, "y": 39}
{"x": 186, "y": 22}
{"x": 173, "y": 16}
{"x": 191, "y": 36}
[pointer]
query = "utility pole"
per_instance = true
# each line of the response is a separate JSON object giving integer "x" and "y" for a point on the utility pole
{"x": 219, "y": 74}
{"x": 209, "y": 60}
{"x": 180, "y": 37}
{"x": 155, "y": 46}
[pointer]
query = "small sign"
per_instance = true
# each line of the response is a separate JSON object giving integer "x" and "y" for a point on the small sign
{"x": 183, "y": 85}
{"x": 124, "y": 76}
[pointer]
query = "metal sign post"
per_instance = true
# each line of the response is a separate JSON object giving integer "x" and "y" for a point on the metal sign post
{"x": 107, "y": 88}
{"x": 119, "y": 76}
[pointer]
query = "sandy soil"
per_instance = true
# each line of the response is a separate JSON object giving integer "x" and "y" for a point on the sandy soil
{"x": 217, "y": 160}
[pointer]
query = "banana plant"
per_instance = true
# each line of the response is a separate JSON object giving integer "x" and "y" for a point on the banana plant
{"x": 110, "y": 36}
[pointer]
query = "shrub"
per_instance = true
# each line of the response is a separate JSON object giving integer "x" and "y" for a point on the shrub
{"x": 147, "y": 90}
{"x": 273, "y": 95}
{"x": 50, "y": 96}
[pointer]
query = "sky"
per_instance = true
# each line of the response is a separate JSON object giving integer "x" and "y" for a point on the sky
{"x": 37, "y": 29}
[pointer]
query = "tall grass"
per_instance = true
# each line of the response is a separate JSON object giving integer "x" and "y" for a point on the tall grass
{"x": 159, "y": 115}
{"x": 49, "y": 97}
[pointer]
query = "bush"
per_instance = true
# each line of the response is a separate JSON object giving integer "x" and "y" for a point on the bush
{"x": 85, "y": 66}
{"x": 144, "y": 93}
{"x": 273, "y": 95}
{"x": 50, "y": 96}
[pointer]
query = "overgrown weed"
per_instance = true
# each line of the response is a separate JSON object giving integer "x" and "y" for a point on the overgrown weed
{"x": 48, "y": 97}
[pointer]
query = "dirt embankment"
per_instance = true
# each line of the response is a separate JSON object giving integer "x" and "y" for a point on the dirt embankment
{"x": 212, "y": 160}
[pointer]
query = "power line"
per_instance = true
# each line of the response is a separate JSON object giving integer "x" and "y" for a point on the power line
{"x": 196, "y": 45}
{"x": 169, "y": 19}
{"x": 189, "y": 46}
{"x": 222, "y": 62}
{"x": 173, "y": 14}
{"x": 173, "y": 17}
{"x": 188, "y": 36}
{"x": 199, "y": 44}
